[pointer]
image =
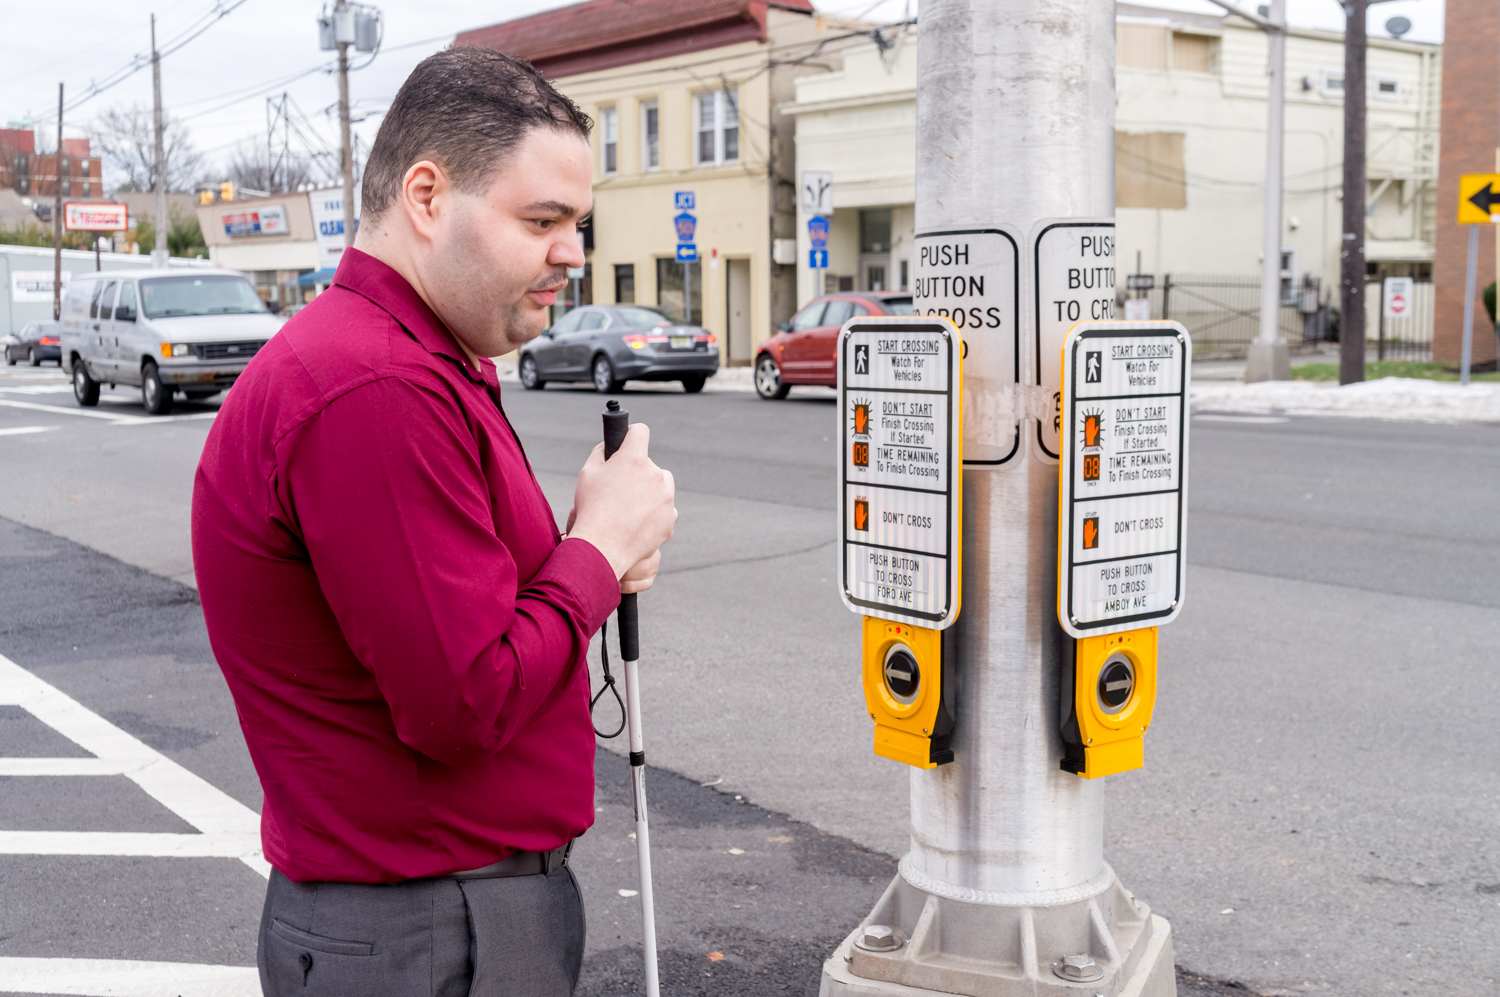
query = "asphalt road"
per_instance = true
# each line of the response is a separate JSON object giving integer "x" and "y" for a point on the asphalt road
{"x": 1323, "y": 761}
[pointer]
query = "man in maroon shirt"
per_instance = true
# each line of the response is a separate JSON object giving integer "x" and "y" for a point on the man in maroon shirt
{"x": 399, "y": 621}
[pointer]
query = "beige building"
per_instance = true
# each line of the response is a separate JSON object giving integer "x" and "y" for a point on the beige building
{"x": 1189, "y": 164}
{"x": 687, "y": 102}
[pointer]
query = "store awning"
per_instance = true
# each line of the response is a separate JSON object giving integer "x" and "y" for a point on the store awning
{"x": 317, "y": 278}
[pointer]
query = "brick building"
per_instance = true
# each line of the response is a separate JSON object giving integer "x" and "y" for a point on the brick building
{"x": 33, "y": 174}
{"x": 1470, "y": 143}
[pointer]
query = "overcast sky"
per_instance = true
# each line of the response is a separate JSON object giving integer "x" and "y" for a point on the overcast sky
{"x": 219, "y": 81}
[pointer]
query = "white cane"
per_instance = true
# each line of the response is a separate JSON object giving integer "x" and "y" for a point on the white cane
{"x": 616, "y": 425}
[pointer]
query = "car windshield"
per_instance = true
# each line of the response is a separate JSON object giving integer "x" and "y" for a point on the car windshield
{"x": 164, "y": 297}
{"x": 897, "y": 306}
{"x": 636, "y": 317}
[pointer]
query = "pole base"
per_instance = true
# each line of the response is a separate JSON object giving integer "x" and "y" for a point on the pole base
{"x": 1110, "y": 944}
{"x": 1268, "y": 362}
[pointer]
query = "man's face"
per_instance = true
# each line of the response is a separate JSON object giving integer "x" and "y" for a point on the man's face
{"x": 501, "y": 256}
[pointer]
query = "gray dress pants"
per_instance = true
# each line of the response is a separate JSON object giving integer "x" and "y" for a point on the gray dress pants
{"x": 520, "y": 936}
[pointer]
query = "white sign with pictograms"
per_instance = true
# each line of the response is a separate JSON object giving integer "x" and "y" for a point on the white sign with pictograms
{"x": 1123, "y": 476}
{"x": 971, "y": 277}
{"x": 900, "y": 384}
{"x": 1073, "y": 265}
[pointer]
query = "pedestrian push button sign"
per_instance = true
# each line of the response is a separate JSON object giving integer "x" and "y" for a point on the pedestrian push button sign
{"x": 1123, "y": 475}
{"x": 900, "y": 386}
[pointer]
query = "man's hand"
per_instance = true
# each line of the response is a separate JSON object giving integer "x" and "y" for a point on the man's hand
{"x": 623, "y": 506}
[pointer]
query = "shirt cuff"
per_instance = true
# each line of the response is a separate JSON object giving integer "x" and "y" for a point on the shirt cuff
{"x": 586, "y": 572}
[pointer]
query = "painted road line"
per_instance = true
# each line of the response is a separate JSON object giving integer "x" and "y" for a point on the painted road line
{"x": 63, "y": 766}
{"x": 118, "y": 420}
{"x": 23, "y": 430}
{"x": 37, "y": 389}
{"x": 136, "y": 844}
{"x": 229, "y": 828}
{"x": 125, "y": 978}
{"x": 1257, "y": 420}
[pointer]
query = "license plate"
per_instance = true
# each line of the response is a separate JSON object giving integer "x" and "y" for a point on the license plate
{"x": 682, "y": 342}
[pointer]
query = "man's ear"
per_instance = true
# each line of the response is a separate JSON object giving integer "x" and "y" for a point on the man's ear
{"x": 424, "y": 192}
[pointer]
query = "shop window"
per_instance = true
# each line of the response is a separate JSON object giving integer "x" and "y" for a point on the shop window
{"x": 669, "y": 279}
{"x": 625, "y": 283}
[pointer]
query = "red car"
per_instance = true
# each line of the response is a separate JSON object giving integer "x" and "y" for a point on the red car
{"x": 804, "y": 350}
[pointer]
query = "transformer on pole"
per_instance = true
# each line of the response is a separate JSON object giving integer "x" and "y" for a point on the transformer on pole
{"x": 1005, "y": 889}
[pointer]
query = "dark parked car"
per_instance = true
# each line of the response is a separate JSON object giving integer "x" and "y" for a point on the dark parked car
{"x": 35, "y": 342}
{"x": 804, "y": 349}
{"x": 612, "y": 344}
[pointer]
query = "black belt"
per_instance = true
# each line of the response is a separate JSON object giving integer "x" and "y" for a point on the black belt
{"x": 519, "y": 864}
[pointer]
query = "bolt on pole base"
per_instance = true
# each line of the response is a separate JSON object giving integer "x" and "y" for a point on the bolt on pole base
{"x": 1268, "y": 362}
{"x": 917, "y": 941}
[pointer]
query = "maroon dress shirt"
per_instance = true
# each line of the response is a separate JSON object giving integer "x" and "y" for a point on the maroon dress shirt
{"x": 400, "y": 624}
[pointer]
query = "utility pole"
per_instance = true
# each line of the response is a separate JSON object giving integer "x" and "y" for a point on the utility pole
{"x": 1352, "y": 263}
{"x": 341, "y": 15}
{"x": 1269, "y": 358}
{"x": 159, "y": 255}
{"x": 1007, "y": 848}
{"x": 57, "y": 217}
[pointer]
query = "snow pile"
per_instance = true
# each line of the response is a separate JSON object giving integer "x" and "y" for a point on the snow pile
{"x": 1401, "y": 398}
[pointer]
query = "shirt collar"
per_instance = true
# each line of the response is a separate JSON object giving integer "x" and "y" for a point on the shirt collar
{"x": 384, "y": 287}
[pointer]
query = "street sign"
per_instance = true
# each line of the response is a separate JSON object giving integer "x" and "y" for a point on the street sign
{"x": 817, "y": 232}
{"x": 1479, "y": 199}
{"x": 89, "y": 216}
{"x": 817, "y": 192}
{"x": 1122, "y": 497}
{"x": 900, "y": 384}
{"x": 1398, "y": 297}
{"x": 687, "y": 252}
{"x": 817, "y": 259}
{"x": 684, "y": 200}
{"x": 1074, "y": 269}
{"x": 971, "y": 277}
{"x": 686, "y": 225}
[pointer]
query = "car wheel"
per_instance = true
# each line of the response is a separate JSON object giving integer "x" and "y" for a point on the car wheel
{"x": 694, "y": 383}
{"x": 604, "y": 376}
{"x": 85, "y": 388}
{"x": 36, "y": 361}
{"x": 531, "y": 378}
{"x": 768, "y": 382}
{"x": 155, "y": 394}
{"x": 8, "y": 358}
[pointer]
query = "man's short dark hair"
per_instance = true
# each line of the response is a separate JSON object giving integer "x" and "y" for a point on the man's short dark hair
{"x": 466, "y": 109}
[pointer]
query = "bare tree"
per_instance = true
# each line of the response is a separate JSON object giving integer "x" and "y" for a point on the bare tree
{"x": 127, "y": 144}
{"x": 250, "y": 167}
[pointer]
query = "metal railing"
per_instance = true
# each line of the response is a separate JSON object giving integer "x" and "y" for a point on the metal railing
{"x": 1222, "y": 312}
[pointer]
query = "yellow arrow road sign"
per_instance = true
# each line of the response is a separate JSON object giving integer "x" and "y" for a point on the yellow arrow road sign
{"x": 1479, "y": 199}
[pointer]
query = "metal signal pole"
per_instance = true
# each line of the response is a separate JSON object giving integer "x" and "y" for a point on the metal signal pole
{"x": 1015, "y": 126}
{"x": 1352, "y": 264}
{"x": 57, "y": 217}
{"x": 159, "y": 254}
{"x": 346, "y": 152}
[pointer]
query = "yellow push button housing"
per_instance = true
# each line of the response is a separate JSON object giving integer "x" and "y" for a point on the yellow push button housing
{"x": 908, "y": 692}
{"x": 1109, "y": 691}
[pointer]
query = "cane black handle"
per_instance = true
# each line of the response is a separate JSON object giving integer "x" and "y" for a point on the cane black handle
{"x": 616, "y": 425}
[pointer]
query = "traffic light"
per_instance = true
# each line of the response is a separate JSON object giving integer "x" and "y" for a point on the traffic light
{"x": 205, "y": 197}
{"x": 226, "y": 191}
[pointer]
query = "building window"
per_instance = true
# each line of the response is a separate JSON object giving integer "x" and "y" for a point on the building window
{"x": 1332, "y": 83}
{"x": 1150, "y": 171}
{"x": 609, "y": 140}
{"x": 716, "y": 127}
{"x": 1141, "y": 46}
{"x": 906, "y": 275}
{"x": 1387, "y": 88}
{"x": 669, "y": 274}
{"x": 624, "y": 283}
{"x": 85, "y": 164}
{"x": 1192, "y": 53}
{"x": 875, "y": 230}
{"x": 650, "y": 137}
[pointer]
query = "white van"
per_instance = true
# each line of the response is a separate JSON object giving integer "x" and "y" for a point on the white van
{"x": 168, "y": 331}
